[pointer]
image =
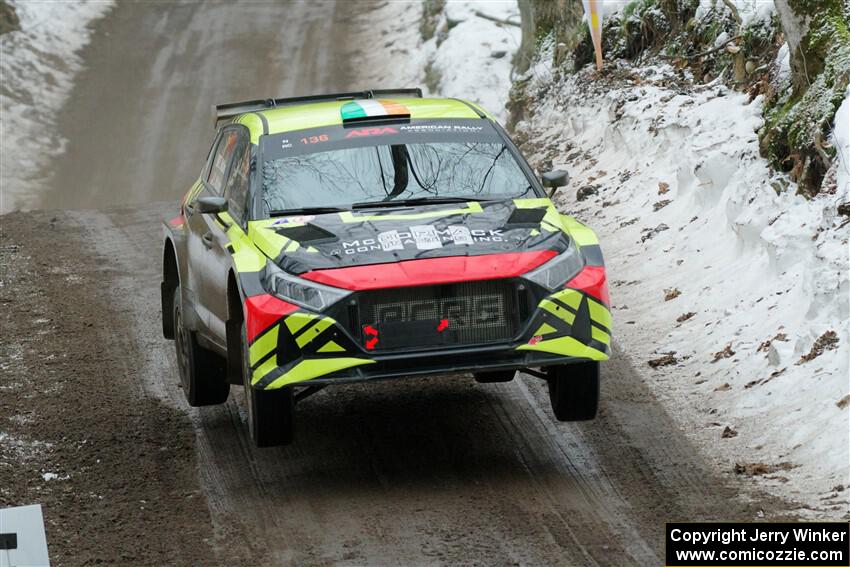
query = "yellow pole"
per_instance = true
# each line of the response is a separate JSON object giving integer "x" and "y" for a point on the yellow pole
{"x": 594, "y": 19}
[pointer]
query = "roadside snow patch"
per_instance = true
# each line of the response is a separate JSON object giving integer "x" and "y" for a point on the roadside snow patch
{"x": 21, "y": 450}
{"x": 37, "y": 69}
{"x": 469, "y": 55}
{"x": 475, "y": 58}
{"x": 48, "y": 476}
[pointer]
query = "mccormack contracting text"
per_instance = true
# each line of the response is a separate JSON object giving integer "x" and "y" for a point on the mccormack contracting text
{"x": 825, "y": 544}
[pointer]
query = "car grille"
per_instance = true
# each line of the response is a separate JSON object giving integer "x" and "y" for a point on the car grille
{"x": 466, "y": 313}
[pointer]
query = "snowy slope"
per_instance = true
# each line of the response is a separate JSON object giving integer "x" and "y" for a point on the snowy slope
{"x": 715, "y": 261}
{"x": 474, "y": 62}
{"x": 469, "y": 56}
{"x": 37, "y": 68}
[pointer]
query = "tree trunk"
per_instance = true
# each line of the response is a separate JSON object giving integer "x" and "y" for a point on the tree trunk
{"x": 805, "y": 62}
{"x": 528, "y": 44}
{"x": 798, "y": 123}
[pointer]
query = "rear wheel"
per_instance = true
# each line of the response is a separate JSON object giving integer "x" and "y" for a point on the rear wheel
{"x": 574, "y": 391}
{"x": 494, "y": 376}
{"x": 202, "y": 372}
{"x": 271, "y": 413}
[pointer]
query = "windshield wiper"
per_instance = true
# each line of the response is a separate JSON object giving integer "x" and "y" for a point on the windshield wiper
{"x": 376, "y": 204}
{"x": 307, "y": 211}
{"x": 416, "y": 201}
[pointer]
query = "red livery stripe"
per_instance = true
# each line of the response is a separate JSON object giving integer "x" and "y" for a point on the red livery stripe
{"x": 431, "y": 271}
{"x": 592, "y": 280}
{"x": 263, "y": 310}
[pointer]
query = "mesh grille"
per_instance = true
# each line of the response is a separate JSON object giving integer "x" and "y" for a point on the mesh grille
{"x": 453, "y": 314}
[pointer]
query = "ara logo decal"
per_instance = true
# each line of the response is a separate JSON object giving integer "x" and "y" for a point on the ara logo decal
{"x": 361, "y": 132}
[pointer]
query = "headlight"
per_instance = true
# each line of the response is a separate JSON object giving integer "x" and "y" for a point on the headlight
{"x": 558, "y": 271}
{"x": 300, "y": 291}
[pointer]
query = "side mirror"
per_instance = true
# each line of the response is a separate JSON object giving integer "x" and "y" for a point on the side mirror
{"x": 555, "y": 179}
{"x": 211, "y": 205}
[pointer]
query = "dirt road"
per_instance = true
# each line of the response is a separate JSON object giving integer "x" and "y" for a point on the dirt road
{"x": 139, "y": 122}
{"x": 417, "y": 471}
{"x": 407, "y": 472}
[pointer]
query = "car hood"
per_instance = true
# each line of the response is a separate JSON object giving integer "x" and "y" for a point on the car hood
{"x": 304, "y": 243}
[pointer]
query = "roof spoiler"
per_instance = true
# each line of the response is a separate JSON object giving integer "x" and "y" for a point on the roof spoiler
{"x": 222, "y": 112}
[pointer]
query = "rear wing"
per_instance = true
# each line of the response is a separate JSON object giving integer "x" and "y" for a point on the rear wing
{"x": 222, "y": 112}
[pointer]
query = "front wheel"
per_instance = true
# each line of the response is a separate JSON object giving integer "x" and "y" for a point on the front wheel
{"x": 201, "y": 371}
{"x": 574, "y": 391}
{"x": 271, "y": 413}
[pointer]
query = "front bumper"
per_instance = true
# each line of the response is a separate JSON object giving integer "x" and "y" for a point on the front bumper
{"x": 307, "y": 348}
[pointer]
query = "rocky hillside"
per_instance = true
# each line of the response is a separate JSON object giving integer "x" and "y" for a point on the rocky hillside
{"x": 795, "y": 53}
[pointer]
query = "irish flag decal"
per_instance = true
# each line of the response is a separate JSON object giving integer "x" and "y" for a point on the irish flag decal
{"x": 372, "y": 108}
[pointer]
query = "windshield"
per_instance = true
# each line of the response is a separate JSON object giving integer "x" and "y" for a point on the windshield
{"x": 333, "y": 168}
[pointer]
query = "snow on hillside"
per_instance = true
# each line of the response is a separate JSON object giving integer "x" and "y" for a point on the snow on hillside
{"x": 37, "y": 69}
{"x": 469, "y": 56}
{"x": 750, "y": 11}
{"x": 730, "y": 291}
{"x": 474, "y": 61}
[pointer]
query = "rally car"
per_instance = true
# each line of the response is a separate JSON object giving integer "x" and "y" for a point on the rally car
{"x": 358, "y": 236}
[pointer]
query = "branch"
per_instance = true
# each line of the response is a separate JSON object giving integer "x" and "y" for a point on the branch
{"x": 495, "y": 19}
{"x": 734, "y": 10}
{"x": 704, "y": 53}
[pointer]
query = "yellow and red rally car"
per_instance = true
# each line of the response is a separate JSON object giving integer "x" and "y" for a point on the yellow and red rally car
{"x": 378, "y": 234}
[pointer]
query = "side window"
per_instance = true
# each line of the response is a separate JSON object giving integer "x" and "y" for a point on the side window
{"x": 236, "y": 191}
{"x": 223, "y": 153}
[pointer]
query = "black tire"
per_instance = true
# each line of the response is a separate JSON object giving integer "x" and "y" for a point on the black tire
{"x": 574, "y": 391}
{"x": 202, "y": 372}
{"x": 494, "y": 376}
{"x": 271, "y": 413}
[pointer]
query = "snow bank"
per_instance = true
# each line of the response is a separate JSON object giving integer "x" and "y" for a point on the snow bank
{"x": 752, "y": 12}
{"x": 686, "y": 209}
{"x": 37, "y": 69}
{"x": 474, "y": 61}
{"x": 714, "y": 260}
{"x": 468, "y": 57}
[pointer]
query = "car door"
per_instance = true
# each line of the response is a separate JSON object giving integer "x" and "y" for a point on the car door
{"x": 236, "y": 193}
{"x": 206, "y": 235}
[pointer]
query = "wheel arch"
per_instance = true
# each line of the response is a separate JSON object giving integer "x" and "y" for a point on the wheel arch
{"x": 170, "y": 282}
{"x": 233, "y": 329}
